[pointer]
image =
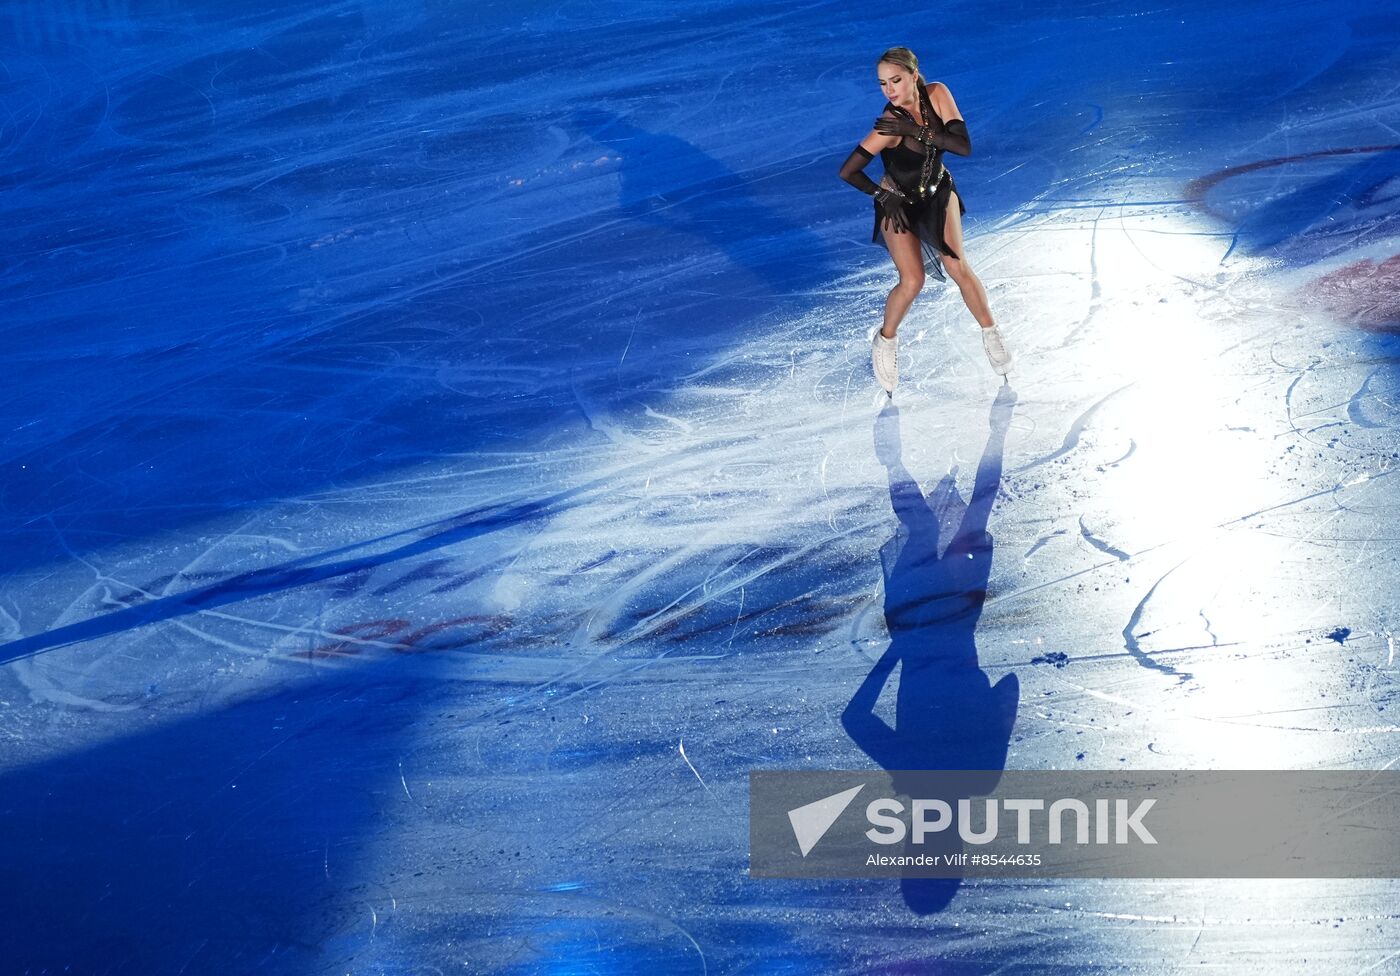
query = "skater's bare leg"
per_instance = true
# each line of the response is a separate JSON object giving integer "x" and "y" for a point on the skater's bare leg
{"x": 973, "y": 294}
{"x": 909, "y": 261}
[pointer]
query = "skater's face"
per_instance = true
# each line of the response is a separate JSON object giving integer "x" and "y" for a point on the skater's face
{"x": 896, "y": 82}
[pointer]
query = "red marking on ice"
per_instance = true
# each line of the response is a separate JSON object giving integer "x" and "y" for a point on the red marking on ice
{"x": 370, "y": 630}
{"x": 1197, "y": 189}
{"x": 371, "y": 634}
{"x": 1367, "y": 292}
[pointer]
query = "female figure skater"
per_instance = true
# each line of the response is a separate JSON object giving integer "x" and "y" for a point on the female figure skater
{"x": 913, "y": 218}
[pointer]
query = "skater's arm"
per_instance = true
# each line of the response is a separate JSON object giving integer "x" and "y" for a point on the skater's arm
{"x": 892, "y": 202}
{"x": 954, "y": 136}
{"x": 866, "y": 729}
{"x": 943, "y": 103}
{"x": 875, "y": 140}
{"x": 906, "y": 498}
{"x": 852, "y": 170}
{"x": 951, "y": 136}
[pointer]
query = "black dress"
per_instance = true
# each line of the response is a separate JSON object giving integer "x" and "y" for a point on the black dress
{"x": 928, "y": 213}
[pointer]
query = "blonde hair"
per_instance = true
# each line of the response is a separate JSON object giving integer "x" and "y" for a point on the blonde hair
{"x": 905, "y": 58}
{"x": 909, "y": 61}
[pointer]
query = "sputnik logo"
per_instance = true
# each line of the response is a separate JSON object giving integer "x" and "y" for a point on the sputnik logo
{"x": 811, "y": 822}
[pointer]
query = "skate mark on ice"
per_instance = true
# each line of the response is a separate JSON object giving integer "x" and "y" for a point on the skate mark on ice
{"x": 1100, "y": 544}
{"x": 1283, "y": 505}
{"x": 1095, "y": 289}
{"x": 1076, "y": 430}
{"x": 681, "y": 749}
{"x": 1354, "y": 410}
{"x": 1132, "y": 449}
{"x": 1368, "y": 480}
{"x": 1288, "y": 397}
{"x": 1130, "y": 639}
{"x": 1042, "y": 542}
{"x": 1379, "y": 963}
{"x": 1214, "y": 641}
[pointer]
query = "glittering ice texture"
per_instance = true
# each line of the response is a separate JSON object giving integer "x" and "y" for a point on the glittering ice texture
{"x": 441, "y": 459}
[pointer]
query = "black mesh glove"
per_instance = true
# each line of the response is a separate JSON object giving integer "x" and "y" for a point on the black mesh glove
{"x": 851, "y": 172}
{"x": 952, "y": 137}
{"x": 892, "y": 204}
{"x": 900, "y": 126}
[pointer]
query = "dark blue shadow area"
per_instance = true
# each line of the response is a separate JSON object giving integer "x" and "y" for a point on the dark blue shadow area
{"x": 948, "y": 715}
{"x": 342, "y": 563}
{"x": 594, "y": 946}
{"x": 668, "y": 183}
{"x": 235, "y": 841}
{"x": 1300, "y": 201}
{"x": 1326, "y": 205}
{"x": 253, "y": 254}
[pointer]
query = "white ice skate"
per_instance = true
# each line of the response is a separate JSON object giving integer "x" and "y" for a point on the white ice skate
{"x": 997, "y": 353}
{"x": 885, "y": 360}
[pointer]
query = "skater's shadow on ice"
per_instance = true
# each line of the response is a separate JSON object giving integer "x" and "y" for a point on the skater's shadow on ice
{"x": 948, "y": 715}
{"x": 668, "y": 183}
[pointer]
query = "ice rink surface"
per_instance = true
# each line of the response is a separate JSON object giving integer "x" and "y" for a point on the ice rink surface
{"x": 441, "y": 460}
